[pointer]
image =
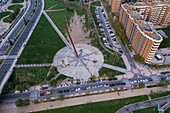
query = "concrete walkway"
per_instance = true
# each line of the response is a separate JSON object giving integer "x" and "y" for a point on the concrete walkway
{"x": 115, "y": 68}
{"x": 81, "y": 100}
{"x": 33, "y": 65}
{"x": 145, "y": 104}
{"x": 57, "y": 30}
{"x": 54, "y": 10}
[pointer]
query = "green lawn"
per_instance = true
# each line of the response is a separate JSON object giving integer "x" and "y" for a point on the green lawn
{"x": 148, "y": 110}
{"x": 49, "y": 3}
{"x": 99, "y": 107}
{"x": 59, "y": 6}
{"x": 158, "y": 95}
{"x": 3, "y": 14}
{"x": 59, "y": 17}
{"x": 12, "y": 7}
{"x": 107, "y": 71}
{"x": 43, "y": 44}
{"x": 17, "y": 1}
{"x": 31, "y": 75}
{"x": 61, "y": 77}
{"x": 96, "y": 3}
{"x": 166, "y": 41}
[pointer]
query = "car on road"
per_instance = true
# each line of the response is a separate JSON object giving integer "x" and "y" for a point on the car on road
{"x": 42, "y": 94}
{"x": 48, "y": 93}
{"x": 88, "y": 87}
{"x": 167, "y": 72}
{"x": 43, "y": 88}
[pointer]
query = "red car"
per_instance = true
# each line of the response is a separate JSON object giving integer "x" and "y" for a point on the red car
{"x": 42, "y": 94}
{"x": 103, "y": 79}
{"x": 167, "y": 72}
{"x": 43, "y": 88}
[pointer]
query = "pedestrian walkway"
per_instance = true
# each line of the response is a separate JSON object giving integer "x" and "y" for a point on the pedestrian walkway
{"x": 82, "y": 100}
{"x": 56, "y": 29}
{"x": 33, "y": 65}
{"x": 54, "y": 10}
{"x": 145, "y": 104}
{"x": 115, "y": 68}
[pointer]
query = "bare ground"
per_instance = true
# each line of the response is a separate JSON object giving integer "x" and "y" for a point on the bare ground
{"x": 76, "y": 30}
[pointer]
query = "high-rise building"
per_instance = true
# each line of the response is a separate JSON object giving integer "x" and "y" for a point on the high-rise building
{"x": 142, "y": 37}
{"x": 155, "y": 11}
{"x": 114, "y": 5}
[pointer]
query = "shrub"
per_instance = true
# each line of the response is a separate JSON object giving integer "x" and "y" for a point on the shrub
{"x": 36, "y": 101}
{"x": 61, "y": 97}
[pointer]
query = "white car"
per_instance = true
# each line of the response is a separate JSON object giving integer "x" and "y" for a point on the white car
{"x": 17, "y": 92}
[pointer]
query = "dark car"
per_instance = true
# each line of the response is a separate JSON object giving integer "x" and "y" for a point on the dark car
{"x": 60, "y": 91}
{"x": 112, "y": 85}
{"x": 83, "y": 88}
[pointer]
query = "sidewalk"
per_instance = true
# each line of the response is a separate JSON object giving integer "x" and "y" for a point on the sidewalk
{"x": 82, "y": 100}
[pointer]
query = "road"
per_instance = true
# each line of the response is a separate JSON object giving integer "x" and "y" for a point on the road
{"x": 17, "y": 29}
{"x": 145, "y": 104}
{"x": 8, "y": 62}
{"x": 55, "y": 91}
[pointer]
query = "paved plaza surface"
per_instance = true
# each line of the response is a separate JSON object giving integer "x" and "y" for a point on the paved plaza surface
{"x": 89, "y": 62}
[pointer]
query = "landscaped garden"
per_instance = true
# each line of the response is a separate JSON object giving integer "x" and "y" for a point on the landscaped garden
{"x": 43, "y": 44}
{"x": 3, "y": 14}
{"x": 17, "y": 1}
{"x": 12, "y": 7}
{"x": 99, "y": 107}
{"x": 108, "y": 72}
{"x": 96, "y": 3}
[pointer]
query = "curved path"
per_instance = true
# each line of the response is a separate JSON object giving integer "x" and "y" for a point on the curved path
{"x": 8, "y": 64}
{"x": 15, "y": 31}
{"x": 145, "y": 104}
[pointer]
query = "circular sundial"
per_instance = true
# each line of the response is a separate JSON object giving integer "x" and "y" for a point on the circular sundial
{"x": 88, "y": 63}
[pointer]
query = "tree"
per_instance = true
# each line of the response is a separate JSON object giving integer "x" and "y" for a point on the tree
{"x": 105, "y": 75}
{"x": 25, "y": 102}
{"x": 7, "y": 88}
{"x": 36, "y": 101}
{"x": 135, "y": 86}
{"x": 93, "y": 78}
{"x": 53, "y": 82}
{"x": 48, "y": 99}
{"x": 61, "y": 97}
{"x": 115, "y": 89}
{"x": 18, "y": 87}
{"x": 141, "y": 85}
{"x": 10, "y": 42}
{"x": 121, "y": 89}
{"x": 78, "y": 80}
{"x": 26, "y": 86}
{"x": 164, "y": 83}
{"x": 25, "y": 21}
{"x": 18, "y": 102}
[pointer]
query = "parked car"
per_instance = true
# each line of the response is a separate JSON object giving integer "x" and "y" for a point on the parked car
{"x": 43, "y": 88}
{"x": 42, "y": 94}
{"x": 167, "y": 72}
{"x": 48, "y": 93}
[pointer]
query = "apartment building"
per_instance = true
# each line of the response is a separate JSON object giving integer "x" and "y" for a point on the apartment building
{"x": 155, "y": 11}
{"x": 142, "y": 37}
{"x": 114, "y": 5}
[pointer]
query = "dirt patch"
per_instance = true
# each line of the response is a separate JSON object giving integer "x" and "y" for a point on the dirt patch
{"x": 76, "y": 30}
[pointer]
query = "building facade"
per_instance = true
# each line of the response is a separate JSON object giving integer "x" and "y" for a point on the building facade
{"x": 155, "y": 11}
{"x": 114, "y": 5}
{"x": 142, "y": 37}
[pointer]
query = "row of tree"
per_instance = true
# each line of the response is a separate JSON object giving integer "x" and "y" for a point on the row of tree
{"x": 22, "y": 102}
